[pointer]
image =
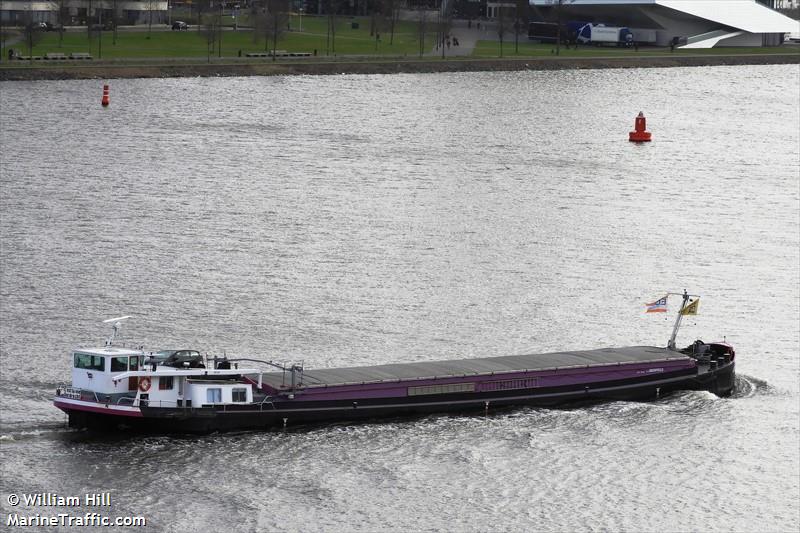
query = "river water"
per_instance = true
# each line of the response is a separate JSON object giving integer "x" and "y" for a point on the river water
{"x": 349, "y": 220}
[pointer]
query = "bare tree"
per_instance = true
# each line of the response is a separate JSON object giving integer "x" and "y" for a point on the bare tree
{"x": 256, "y": 10}
{"x": 271, "y": 23}
{"x": 207, "y": 30}
{"x": 62, "y": 9}
{"x": 100, "y": 34}
{"x": 89, "y": 23}
{"x": 114, "y": 20}
{"x": 280, "y": 16}
{"x": 559, "y": 19}
{"x": 393, "y": 12}
{"x": 445, "y": 24}
{"x": 209, "y": 26}
{"x": 332, "y": 8}
{"x": 219, "y": 27}
{"x": 31, "y": 32}
{"x": 379, "y": 20}
{"x": 504, "y": 24}
{"x": 374, "y": 13}
{"x": 150, "y": 8}
{"x": 331, "y": 39}
{"x": 421, "y": 29}
{"x": 328, "y": 28}
{"x": 520, "y": 15}
{"x": 5, "y": 51}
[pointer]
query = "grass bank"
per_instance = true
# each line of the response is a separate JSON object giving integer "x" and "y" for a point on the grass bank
{"x": 138, "y": 52}
{"x": 352, "y": 37}
{"x": 139, "y": 42}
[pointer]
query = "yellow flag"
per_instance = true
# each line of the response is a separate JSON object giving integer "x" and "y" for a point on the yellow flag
{"x": 691, "y": 309}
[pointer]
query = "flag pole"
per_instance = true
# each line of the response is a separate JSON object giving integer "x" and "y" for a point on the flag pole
{"x": 671, "y": 344}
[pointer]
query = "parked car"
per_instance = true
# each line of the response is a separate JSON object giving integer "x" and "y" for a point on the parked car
{"x": 180, "y": 25}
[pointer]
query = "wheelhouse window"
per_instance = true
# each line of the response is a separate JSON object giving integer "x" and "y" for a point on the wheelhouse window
{"x": 165, "y": 382}
{"x": 213, "y": 395}
{"x": 239, "y": 395}
{"x": 119, "y": 364}
{"x": 90, "y": 362}
{"x": 134, "y": 363}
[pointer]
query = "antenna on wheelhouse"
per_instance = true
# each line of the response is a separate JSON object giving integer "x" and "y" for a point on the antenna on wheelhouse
{"x": 117, "y": 323}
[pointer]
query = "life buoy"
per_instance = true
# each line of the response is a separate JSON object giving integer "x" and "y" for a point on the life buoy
{"x": 144, "y": 384}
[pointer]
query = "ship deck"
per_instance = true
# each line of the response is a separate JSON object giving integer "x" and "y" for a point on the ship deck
{"x": 325, "y": 377}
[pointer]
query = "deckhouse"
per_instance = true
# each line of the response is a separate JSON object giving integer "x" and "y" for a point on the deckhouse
{"x": 169, "y": 378}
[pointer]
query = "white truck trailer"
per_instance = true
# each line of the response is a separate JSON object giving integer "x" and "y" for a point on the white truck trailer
{"x": 600, "y": 34}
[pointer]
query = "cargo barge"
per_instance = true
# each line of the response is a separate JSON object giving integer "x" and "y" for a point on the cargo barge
{"x": 115, "y": 387}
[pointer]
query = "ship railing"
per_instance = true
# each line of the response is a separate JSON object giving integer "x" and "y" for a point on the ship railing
{"x": 157, "y": 403}
{"x": 174, "y": 403}
{"x": 266, "y": 401}
{"x": 169, "y": 403}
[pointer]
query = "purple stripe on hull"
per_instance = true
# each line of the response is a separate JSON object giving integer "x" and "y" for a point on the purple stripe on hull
{"x": 510, "y": 381}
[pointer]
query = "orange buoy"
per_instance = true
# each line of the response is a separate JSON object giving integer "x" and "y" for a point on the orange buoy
{"x": 640, "y": 135}
{"x": 105, "y": 101}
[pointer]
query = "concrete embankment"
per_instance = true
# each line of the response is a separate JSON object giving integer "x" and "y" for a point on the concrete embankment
{"x": 109, "y": 70}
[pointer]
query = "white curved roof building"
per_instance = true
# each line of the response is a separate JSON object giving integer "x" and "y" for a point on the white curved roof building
{"x": 698, "y": 23}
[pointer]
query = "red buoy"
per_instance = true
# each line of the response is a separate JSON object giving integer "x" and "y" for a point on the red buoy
{"x": 105, "y": 101}
{"x": 640, "y": 135}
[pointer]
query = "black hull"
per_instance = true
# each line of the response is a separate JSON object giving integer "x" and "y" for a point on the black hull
{"x": 719, "y": 381}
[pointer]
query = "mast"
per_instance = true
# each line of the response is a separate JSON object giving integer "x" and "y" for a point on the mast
{"x": 679, "y": 318}
{"x": 117, "y": 323}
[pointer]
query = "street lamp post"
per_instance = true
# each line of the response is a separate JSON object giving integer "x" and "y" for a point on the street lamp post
{"x": 301, "y": 19}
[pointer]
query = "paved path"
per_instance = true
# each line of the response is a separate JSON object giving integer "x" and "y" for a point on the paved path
{"x": 469, "y": 34}
{"x": 467, "y": 37}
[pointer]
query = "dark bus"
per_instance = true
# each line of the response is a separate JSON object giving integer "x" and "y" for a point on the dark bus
{"x": 544, "y": 32}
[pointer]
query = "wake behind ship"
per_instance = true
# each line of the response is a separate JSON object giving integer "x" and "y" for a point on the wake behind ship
{"x": 181, "y": 391}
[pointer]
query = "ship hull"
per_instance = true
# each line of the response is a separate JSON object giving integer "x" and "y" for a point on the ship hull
{"x": 286, "y": 412}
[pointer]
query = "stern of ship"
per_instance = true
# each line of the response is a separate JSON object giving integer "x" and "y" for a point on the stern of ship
{"x": 716, "y": 366}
